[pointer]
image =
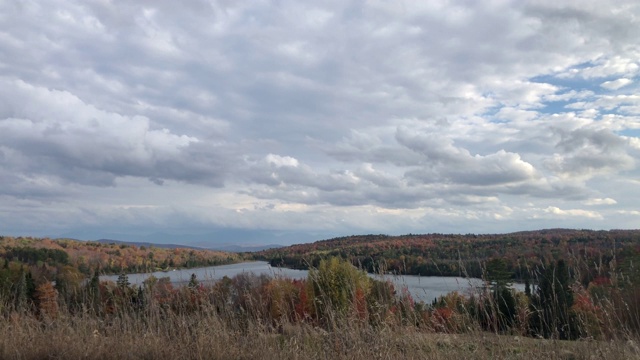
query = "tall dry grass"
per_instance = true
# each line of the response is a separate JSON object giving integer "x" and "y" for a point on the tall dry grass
{"x": 335, "y": 314}
{"x": 206, "y": 335}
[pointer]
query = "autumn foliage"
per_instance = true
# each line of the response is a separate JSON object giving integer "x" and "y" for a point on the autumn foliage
{"x": 464, "y": 255}
{"x": 47, "y": 299}
{"x": 569, "y": 295}
{"x": 109, "y": 258}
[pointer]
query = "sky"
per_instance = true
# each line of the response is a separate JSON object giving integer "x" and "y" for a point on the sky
{"x": 254, "y": 122}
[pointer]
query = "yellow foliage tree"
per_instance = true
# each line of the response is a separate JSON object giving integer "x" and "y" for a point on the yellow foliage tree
{"x": 338, "y": 287}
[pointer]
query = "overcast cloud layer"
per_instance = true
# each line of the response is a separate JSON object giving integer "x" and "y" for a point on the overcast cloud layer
{"x": 144, "y": 117}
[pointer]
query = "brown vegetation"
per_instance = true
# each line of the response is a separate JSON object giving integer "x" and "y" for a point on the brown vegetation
{"x": 207, "y": 336}
{"x": 463, "y": 255}
{"x": 337, "y": 312}
{"x": 82, "y": 258}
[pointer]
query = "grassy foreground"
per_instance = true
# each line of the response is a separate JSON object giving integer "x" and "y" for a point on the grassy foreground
{"x": 338, "y": 312}
{"x": 208, "y": 336}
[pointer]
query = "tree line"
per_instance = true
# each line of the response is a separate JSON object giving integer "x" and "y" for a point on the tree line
{"x": 564, "y": 298}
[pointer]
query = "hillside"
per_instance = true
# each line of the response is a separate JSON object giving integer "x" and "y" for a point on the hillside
{"x": 583, "y": 287}
{"x": 48, "y": 257}
{"x": 461, "y": 255}
{"x": 147, "y": 244}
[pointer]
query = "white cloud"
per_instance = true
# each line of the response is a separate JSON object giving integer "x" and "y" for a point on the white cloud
{"x": 573, "y": 212}
{"x": 600, "y": 201}
{"x": 399, "y": 117}
{"x": 629, "y": 212}
{"x": 280, "y": 161}
{"x": 616, "y": 84}
{"x": 610, "y": 66}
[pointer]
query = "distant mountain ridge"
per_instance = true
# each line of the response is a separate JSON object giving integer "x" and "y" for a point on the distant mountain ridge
{"x": 226, "y": 248}
{"x": 247, "y": 248}
{"x": 148, "y": 244}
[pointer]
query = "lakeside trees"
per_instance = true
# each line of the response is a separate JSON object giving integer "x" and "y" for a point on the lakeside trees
{"x": 336, "y": 293}
{"x": 569, "y": 298}
{"x": 464, "y": 255}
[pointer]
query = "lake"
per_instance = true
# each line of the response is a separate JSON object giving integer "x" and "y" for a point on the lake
{"x": 421, "y": 288}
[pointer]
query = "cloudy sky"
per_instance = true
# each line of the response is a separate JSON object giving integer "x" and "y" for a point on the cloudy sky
{"x": 289, "y": 121}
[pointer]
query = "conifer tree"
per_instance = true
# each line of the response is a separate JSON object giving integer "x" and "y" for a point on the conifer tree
{"x": 94, "y": 291}
{"x": 552, "y": 302}
{"x": 193, "y": 282}
{"x": 123, "y": 281}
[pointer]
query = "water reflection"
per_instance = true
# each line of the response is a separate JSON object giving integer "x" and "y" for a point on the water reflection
{"x": 421, "y": 288}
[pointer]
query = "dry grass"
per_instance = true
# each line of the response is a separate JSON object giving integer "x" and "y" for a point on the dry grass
{"x": 251, "y": 317}
{"x": 206, "y": 335}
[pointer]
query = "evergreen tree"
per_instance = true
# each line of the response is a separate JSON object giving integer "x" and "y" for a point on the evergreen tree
{"x": 123, "y": 281}
{"x": 140, "y": 299}
{"x": 21, "y": 292}
{"x": 24, "y": 291}
{"x": 497, "y": 273}
{"x": 501, "y": 308}
{"x": 551, "y": 303}
{"x": 94, "y": 291}
{"x": 193, "y": 282}
{"x": 31, "y": 286}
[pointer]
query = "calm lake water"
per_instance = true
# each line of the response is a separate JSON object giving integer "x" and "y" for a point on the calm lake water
{"x": 422, "y": 288}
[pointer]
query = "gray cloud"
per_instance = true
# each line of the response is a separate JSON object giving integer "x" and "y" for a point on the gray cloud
{"x": 342, "y": 115}
{"x": 57, "y": 133}
{"x": 585, "y": 151}
{"x": 457, "y": 165}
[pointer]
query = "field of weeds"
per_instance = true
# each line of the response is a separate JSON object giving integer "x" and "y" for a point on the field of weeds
{"x": 338, "y": 312}
{"x": 211, "y": 337}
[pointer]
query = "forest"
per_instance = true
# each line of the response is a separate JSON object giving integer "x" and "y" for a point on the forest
{"x": 464, "y": 255}
{"x": 580, "y": 285}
